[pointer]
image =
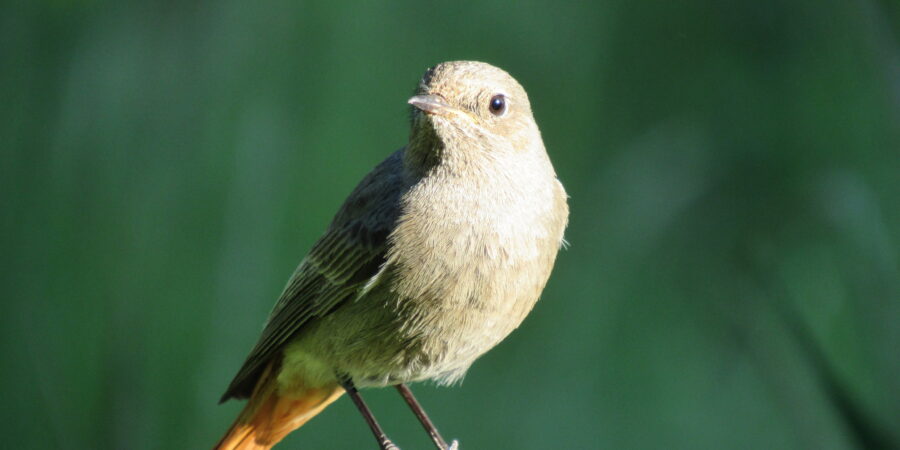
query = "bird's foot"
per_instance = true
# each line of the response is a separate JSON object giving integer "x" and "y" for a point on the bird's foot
{"x": 388, "y": 445}
{"x": 453, "y": 445}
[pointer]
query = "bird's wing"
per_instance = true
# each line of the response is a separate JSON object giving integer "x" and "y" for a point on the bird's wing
{"x": 340, "y": 263}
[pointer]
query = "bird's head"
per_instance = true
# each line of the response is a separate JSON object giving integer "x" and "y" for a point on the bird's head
{"x": 471, "y": 106}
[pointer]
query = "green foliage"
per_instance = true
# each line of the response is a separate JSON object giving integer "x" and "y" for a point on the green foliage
{"x": 734, "y": 167}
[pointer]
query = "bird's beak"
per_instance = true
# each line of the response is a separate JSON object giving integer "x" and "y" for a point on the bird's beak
{"x": 430, "y": 104}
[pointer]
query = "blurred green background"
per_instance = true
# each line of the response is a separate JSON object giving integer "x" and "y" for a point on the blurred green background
{"x": 734, "y": 171}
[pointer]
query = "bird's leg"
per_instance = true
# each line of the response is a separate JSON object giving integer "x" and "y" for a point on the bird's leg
{"x": 423, "y": 418}
{"x": 383, "y": 442}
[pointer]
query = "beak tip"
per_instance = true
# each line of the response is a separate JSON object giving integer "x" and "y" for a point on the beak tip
{"x": 430, "y": 103}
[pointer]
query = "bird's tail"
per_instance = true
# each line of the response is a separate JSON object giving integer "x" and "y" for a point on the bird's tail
{"x": 268, "y": 416}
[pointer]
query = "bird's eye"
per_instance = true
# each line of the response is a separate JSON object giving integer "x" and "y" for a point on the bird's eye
{"x": 498, "y": 105}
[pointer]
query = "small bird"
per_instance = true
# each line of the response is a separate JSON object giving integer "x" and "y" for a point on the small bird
{"x": 434, "y": 258}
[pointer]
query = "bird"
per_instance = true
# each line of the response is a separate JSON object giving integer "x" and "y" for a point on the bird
{"x": 435, "y": 257}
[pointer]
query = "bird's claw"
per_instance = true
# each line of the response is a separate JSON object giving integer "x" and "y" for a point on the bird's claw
{"x": 454, "y": 445}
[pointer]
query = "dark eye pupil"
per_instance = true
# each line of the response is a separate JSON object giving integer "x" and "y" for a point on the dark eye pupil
{"x": 498, "y": 104}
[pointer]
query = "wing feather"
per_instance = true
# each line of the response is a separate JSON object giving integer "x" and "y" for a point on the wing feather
{"x": 336, "y": 269}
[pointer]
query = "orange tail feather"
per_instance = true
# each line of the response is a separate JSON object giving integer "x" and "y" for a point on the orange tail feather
{"x": 269, "y": 417}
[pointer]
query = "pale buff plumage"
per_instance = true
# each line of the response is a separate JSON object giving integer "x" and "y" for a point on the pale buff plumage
{"x": 437, "y": 255}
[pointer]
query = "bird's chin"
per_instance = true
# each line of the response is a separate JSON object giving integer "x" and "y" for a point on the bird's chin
{"x": 424, "y": 121}
{"x": 433, "y": 130}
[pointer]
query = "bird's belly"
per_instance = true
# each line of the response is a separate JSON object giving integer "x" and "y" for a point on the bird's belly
{"x": 445, "y": 313}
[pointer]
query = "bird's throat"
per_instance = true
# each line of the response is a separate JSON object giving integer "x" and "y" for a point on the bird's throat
{"x": 425, "y": 149}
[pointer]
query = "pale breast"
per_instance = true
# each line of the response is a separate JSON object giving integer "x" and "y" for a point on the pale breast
{"x": 473, "y": 265}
